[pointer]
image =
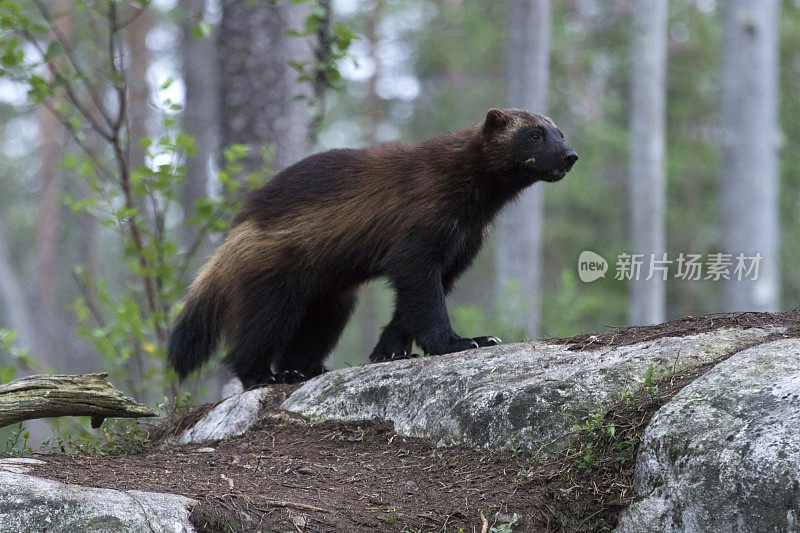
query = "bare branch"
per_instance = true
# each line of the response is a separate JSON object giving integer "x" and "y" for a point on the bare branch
{"x": 80, "y": 142}
{"x": 70, "y": 53}
{"x": 71, "y": 95}
{"x": 124, "y": 169}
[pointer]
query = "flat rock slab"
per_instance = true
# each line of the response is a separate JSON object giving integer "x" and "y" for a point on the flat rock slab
{"x": 229, "y": 418}
{"x": 724, "y": 453}
{"x": 527, "y": 395}
{"x": 32, "y": 504}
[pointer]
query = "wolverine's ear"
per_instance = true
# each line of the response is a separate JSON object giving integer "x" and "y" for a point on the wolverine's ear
{"x": 496, "y": 120}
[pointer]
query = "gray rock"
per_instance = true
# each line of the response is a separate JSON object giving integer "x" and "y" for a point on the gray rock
{"x": 724, "y": 453}
{"x": 526, "y": 395}
{"x": 18, "y": 465}
{"x": 31, "y": 504}
{"x": 229, "y": 418}
{"x": 232, "y": 387}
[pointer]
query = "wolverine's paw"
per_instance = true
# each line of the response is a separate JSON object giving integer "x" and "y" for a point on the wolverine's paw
{"x": 487, "y": 341}
{"x": 394, "y": 356}
{"x": 451, "y": 345}
{"x": 391, "y": 347}
{"x": 289, "y": 376}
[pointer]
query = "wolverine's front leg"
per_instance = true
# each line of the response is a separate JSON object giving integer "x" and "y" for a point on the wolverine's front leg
{"x": 394, "y": 343}
{"x": 421, "y": 311}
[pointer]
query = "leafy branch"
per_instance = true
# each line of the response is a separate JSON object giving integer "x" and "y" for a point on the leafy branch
{"x": 332, "y": 41}
{"x": 126, "y": 324}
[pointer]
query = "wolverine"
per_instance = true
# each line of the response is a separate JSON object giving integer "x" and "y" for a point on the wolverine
{"x": 281, "y": 286}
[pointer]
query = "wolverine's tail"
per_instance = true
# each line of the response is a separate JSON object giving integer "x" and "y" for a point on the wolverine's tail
{"x": 197, "y": 331}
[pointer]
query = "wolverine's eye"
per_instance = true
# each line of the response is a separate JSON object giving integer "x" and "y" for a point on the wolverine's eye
{"x": 536, "y": 135}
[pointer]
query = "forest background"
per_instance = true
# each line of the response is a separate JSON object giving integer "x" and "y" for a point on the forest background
{"x": 129, "y": 132}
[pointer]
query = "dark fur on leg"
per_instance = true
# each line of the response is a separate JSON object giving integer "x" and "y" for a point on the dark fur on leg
{"x": 271, "y": 313}
{"x": 323, "y": 322}
{"x": 394, "y": 343}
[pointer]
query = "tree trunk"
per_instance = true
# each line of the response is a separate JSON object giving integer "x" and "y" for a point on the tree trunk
{"x": 200, "y": 109}
{"x": 259, "y": 93}
{"x": 750, "y": 137}
{"x": 647, "y": 189}
{"x": 13, "y": 300}
{"x": 45, "y": 275}
{"x": 138, "y": 86}
{"x": 48, "y": 222}
{"x": 519, "y": 235}
{"x": 368, "y": 292}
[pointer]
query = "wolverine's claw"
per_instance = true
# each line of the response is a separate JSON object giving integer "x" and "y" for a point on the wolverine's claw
{"x": 475, "y": 344}
{"x": 487, "y": 341}
{"x": 394, "y": 356}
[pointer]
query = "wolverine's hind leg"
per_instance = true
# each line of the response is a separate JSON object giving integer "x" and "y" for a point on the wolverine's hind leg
{"x": 267, "y": 317}
{"x": 323, "y": 322}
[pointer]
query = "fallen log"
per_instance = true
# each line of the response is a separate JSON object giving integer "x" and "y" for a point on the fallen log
{"x": 43, "y": 396}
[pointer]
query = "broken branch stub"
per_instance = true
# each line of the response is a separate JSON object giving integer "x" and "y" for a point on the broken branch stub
{"x": 43, "y": 396}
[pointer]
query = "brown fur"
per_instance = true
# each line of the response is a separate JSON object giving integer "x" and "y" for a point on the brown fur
{"x": 335, "y": 219}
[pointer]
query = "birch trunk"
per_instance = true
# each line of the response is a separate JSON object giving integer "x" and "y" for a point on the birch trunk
{"x": 200, "y": 109}
{"x": 750, "y": 137}
{"x": 519, "y": 228}
{"x": 647, "y": 189}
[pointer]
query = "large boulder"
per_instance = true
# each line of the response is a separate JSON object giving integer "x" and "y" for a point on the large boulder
{"x": 525, "y": 395}
{"x": 724, "y": 454}
{"x": 32, "y": 504}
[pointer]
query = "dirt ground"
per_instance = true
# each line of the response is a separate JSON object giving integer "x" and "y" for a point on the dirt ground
{"x": 690, "y": 325}
{"x": 288, "y": 474}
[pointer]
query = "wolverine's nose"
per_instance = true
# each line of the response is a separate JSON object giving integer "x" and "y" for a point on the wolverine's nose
{"x": 570, "y": 157}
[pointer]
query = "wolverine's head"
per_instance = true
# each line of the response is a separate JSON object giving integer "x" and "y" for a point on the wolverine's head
{"x": 531, "y": 143}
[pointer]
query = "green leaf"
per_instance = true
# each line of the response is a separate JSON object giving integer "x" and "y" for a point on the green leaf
{"x": 344, "y": 35}
{"x": 9, "y": 6}
{"x": 7, "y": 373}
{"x": 124, "y": 213}
{"x": 186, "y": 142}
{"x": 202, "y": 30}
{"x": 70, "y": 162}
{"x": 11, "y": 59}
{"x": 299, "y": 66}
{"x": 54, "y": 50}
{"x": 312, "y": 24}
{"x": 334, "y": 75}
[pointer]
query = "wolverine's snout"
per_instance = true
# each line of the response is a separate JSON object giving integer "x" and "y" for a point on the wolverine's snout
{"x": 570, "y": 157}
